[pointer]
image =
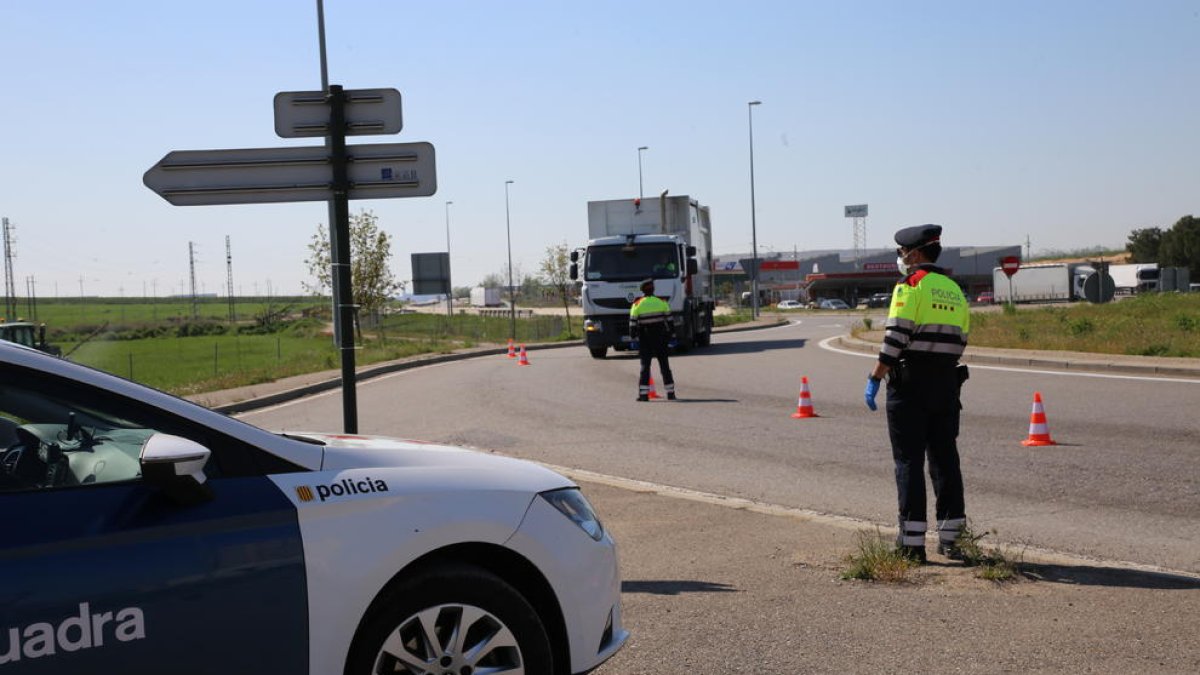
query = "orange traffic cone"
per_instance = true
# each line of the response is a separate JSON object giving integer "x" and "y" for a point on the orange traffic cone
{"x": 524, "y": 361}
{"x": 1039, "y": 433}
{"x": 512, "y": 351}
{"x": 804, "y": 408}
{"x": 653, "y": 391}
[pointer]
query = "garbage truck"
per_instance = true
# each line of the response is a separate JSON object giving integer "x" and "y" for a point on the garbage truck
{"x": 669, "y": 239}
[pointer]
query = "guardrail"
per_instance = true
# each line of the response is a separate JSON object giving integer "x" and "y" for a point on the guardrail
{"x": 504, "y": 311}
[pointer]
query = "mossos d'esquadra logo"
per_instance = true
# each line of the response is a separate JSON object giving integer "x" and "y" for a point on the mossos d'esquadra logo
{"x": 345, "y": 487}
{"x": 85, "y": 630}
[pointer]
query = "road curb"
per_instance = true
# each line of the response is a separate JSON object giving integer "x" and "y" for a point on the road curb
{"x": 369, "y": 372}
{"x": 983, "y": 355}
{"x": 372, "y": 372}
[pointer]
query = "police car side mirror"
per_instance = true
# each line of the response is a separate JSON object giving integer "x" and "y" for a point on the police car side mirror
{"x": 175, "y": 465}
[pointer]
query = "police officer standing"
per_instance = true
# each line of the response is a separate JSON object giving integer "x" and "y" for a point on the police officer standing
{"x": 651, "y": 327}
{"x": 925, "y": 334}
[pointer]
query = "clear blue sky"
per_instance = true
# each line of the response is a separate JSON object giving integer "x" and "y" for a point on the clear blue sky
{"x": 1072, "y": 122}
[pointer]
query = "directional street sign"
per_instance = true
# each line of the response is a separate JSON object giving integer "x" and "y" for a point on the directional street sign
{"x": 301, "y": 114}
{"x": 334, "y": 172}
{"x": 263, "y": 175}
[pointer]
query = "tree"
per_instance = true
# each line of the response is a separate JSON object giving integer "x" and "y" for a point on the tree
{"x": 494, "y": 280}
{"x": 555, "y": 270}
{"x": 371, "y": 279}
{"x": 500, "y": 280}
{"x": 1181, "y": 245}
{"x": 1144, "y": 245}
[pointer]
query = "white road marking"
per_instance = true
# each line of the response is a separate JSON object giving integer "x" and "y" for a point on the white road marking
{"x": 825, "y": 344}
{"x": 844, "y": 522}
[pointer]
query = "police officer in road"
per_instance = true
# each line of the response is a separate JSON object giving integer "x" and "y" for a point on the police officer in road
{"x": 650, "y": 326}
{"x": 925, "y": 335}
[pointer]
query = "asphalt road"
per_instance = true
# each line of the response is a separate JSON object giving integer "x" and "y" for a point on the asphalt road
{"x": 1123, "y": 485}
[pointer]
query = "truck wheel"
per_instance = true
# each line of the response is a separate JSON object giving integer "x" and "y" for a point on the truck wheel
{"x": 456, "y": 619}
{"x": 598, "y": 352}
{"x": 704, "y": 339}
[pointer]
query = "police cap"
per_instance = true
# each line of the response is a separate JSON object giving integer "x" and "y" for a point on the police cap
{"x": 919, "y": 235}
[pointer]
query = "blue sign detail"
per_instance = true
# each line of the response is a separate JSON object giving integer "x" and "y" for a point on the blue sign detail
{"x": 386, "y": 173}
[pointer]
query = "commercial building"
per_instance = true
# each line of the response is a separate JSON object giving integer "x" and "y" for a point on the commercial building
{"x": 809, "y": 276}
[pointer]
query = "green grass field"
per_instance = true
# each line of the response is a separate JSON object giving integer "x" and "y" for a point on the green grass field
{"x": 159, "y": 344}
{"x": 1151, "y": 324}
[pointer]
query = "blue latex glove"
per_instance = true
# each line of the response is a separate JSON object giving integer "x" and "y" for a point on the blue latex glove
{"x": 871, "y": 392}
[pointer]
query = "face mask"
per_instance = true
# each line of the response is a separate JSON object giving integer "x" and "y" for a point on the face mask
{"x": 901, "y": 265}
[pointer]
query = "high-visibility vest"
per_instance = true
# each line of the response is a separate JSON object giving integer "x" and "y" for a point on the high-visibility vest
{"x": 650, "y": 311}
{"x": 929, "y": 316}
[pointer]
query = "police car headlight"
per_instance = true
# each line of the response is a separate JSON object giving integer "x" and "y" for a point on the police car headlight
{"x": 571, "y": 503}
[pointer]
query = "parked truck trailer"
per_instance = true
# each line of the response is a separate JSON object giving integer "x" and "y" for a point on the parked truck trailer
{"x": 1052, "y": 282}
{"x": 485, "y": 297}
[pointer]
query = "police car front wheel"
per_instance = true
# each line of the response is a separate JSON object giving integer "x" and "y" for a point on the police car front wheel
{"x": 459, "y": 620}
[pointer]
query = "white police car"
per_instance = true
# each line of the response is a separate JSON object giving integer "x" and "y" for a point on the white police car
{"x": 143, "y": 534}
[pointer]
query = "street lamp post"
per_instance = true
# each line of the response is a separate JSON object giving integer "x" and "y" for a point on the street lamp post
{"x": 640, "y": 149}
{"x": 512, "y": 301}
{"x": 449, "y": 285}
{"x": 753, "y": 224}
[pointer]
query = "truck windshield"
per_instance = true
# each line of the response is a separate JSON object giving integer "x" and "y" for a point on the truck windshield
{"x": 22, "y": 335}
{"x": 630, "y": 263}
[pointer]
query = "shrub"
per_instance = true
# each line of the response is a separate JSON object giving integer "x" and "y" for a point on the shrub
{"x": 877, "y": 559}
{"x": 1081, "y": 326}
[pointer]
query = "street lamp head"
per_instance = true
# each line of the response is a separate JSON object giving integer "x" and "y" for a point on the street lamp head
{"x": 643, "y": 147}
{"x": 508, "y": 181}
{"x": 754, "y": 103}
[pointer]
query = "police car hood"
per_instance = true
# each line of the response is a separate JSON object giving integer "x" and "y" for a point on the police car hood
{"x": 346, "y": 451}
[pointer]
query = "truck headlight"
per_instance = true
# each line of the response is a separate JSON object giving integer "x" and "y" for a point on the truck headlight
{"x": 571, "y": 503}
{"x": 591, "y": 326}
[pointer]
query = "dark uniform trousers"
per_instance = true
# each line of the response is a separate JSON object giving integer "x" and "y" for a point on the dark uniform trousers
{"x": 923, "y": 412}
{"x": 652, "y": 344}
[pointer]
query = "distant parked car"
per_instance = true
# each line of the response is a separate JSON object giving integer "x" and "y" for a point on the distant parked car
{"x": 985, "y": 297}
{"x": 833, "y": 303}
{"x": 789, "y": 304}
{"x": 880, "y": 300}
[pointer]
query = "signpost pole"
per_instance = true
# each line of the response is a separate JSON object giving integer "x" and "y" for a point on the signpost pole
{"x": 339, "y": 254}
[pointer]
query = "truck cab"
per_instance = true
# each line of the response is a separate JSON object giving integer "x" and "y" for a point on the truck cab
{"x": 28, "y": 334}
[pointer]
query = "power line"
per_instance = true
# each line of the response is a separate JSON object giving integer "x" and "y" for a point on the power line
{"x": 229, "y": 280}
{"x": 10, "y": 284}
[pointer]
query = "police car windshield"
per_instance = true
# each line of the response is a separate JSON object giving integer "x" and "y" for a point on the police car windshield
{"x": 630, "y": 263}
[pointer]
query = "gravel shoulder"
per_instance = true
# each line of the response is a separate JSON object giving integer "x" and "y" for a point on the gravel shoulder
{"x": 712, "y": 589}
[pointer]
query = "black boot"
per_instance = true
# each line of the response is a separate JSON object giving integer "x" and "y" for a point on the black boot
{"x": 914, "y": 553}
{"x": 951, "y": 551}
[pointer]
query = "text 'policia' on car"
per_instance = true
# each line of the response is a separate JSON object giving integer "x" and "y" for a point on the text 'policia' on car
{"x": 153, "y": 532}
